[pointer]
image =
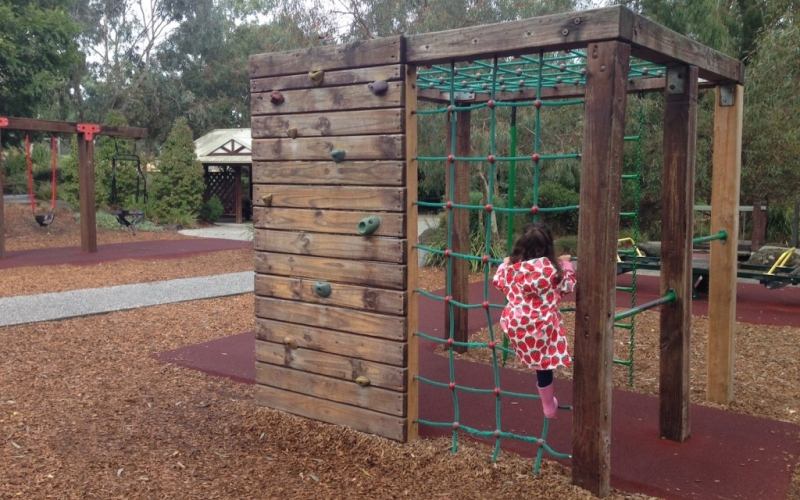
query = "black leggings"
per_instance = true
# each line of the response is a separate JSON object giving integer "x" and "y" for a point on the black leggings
{"x": 544, "y": 377}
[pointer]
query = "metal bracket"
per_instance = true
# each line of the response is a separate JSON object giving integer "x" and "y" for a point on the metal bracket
{"x": 88, "y": 130}
{"x": 676, "y": 80}
{"x": 727, "y": 95}
{"x": 464, "y": 96}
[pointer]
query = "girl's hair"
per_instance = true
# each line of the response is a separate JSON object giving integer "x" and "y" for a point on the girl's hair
{"x": 536, "y": 241}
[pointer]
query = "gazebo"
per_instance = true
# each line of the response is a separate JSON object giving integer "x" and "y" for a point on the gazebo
{"x": 224, "y": 153}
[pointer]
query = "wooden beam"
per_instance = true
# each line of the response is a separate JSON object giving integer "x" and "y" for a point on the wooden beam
{"x": 601, "y": 171}
{"x": 58, "y": 127}
{"x": 354, "y": 173}
{"x": 412, "y": 274}
{"x": 331, "y": 197}
{"x": 2, "y": 205}
{"x": 527, "y": 36}
{"x": 326, "y": 221}
{"x": 374, "y": 248}
{"x": 352, "y": 76}
{"x": 372, "y": 121}
{"x": 86, "y": 194}
{"x": 459, "y": 275}
{"x": 654, "y": 42}
{"x": 677, "y": 225}
{"x": 563, "y": 91}
{"x": 316, "y": 100}
{"x": 376, "y": 52}
{"x": 367, "y": 147}
{"x": 725, "y": 187}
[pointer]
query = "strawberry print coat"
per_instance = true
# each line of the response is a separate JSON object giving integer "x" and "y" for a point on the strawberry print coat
{"x": 531, "y": 319}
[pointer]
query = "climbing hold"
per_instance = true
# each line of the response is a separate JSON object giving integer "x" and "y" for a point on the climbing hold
{"x": 292, "y": 132}
{"x": 322, "y": 289}
{"x": 316, "y": 77}
{"x": 369, "y": 225}
{"x": 267, "y": 199}
{"x": 338, "y": 155}
{"x": 378, "y": 87}
{"x": 363, "y": 381}
{"x": 290, "y": 342}
{"x": 276, "y": 98}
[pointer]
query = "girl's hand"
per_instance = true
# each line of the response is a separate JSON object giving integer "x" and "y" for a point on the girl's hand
{"x": 565, "y": 257}
{"x": 506, "y": 260}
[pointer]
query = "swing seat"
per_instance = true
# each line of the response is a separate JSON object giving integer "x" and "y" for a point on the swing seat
{"x": 129, "y": 218}
{"x": 44, "y": 220}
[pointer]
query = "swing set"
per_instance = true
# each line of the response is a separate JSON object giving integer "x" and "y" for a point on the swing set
{"x": 127, "y": 217}
{"x": 85, "y": 134}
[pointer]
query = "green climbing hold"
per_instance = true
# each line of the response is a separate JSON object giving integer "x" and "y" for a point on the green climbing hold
{"x": 369, "y": 225}
{"x": 338, "y": 155}
{"x": 322, "y": 289}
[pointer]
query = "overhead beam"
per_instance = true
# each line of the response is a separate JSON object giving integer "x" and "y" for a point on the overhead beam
{"x": 58, "y": 127}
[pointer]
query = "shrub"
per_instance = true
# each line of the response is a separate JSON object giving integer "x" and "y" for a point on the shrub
{"x": 211, "y": 210}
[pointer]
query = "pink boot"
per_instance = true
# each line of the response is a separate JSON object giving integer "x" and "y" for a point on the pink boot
{"x": 549, "y": 402}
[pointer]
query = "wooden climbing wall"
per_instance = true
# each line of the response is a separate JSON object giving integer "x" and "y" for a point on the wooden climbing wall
{"x": 349, "y": 357}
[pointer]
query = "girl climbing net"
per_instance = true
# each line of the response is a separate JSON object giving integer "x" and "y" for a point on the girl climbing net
{"x": 534, "y": 281}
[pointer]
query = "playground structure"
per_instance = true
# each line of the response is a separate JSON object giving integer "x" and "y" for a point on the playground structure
{"x": 85, "y": 134}
{"x": 335, "y": 171}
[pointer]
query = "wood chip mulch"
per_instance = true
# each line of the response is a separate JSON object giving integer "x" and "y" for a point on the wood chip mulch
{"x": 86, "y": 413}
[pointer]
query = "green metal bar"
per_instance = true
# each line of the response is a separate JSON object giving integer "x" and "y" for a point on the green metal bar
{"x": 721, "y": 235}
{"x": 668, "y": 298}
{"x": 512, "y": 175}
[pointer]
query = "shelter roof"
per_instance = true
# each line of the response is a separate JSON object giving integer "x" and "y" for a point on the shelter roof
{"x": 230, "y": 146}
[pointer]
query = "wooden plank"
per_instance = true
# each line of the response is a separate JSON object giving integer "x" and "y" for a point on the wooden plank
{"x": 332, "y": 365}
{"x": 366, "y": 122}
{"x": 337, "y": 246}
{"x": 460, "y": 229}
{"x": 327, "y": 99}
{"x": 329, "y": 341}
{"x": 677, "y": 226}
{"x": 350, "y": 76}
{"x": 412, "y": 274}
{"x": 345, "y": 271}
{"x": 353, "y": 297}
{"x": 603, "y": 144}
{"x": 388, "y": 426}
{"x": 725, "y": 187}
{"x": 345, "y": 320}
{"x": 759, "y": 235}
{"x": 527, "y": 36}
{"x": 2, "y": 205}
{"x": 661, "y": 45}
{"x": 325, "y": 221}
{"x": 341, "y": 391}
{"x": 59, "y": 127}
{"x": 355, "y": 173}
{"x": 368, "y": 147}
{"x": 564, "y": 91}
{"x": 331, "y": 197}
{"x": 359, "y": 54}
{"x": 86, "y": 194}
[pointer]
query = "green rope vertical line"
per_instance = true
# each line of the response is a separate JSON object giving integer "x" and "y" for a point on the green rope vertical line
{"x": 537, "y": 134}
{"x": 637, "y": 207}
{"x": 488, "y": 251}
{"x": 449, "y": 279}
{"x": 512, "y": 177}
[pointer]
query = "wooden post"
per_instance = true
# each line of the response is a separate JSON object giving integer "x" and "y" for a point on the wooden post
{"x": 2, "y": 205}
{"x": 86, "y": 193}
{"x": 759, "y": 236}
{"x": 796, "y": 223}
{"x": 601, "y": 174}
{"x": 237, "y": 192}
{"x": 412, "y": 278}
{"x": 677, "y": 224}
{"x": 459, "y": 275}
{"x": 725, "y": 186}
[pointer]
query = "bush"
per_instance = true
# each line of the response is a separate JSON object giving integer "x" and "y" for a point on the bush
{"x": 211, "y": 210}
{"x": 177, "y": 190}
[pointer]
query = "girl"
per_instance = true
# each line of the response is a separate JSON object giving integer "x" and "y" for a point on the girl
{"x": 534, "y": 281}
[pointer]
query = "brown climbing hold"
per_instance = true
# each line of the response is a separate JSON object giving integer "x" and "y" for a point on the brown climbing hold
{"x": 292, "y": 132}
{"x": 316, "y": 77}
{"x": 378, "y": 87}
{"x": 267, "y": 199}
{"x": 276, "y": 98}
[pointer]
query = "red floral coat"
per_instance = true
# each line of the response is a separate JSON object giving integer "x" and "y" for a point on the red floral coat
{"x": 531, "y": 319}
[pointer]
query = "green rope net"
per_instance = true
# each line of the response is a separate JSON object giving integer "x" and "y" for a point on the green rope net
{"x": 502, "y": 85}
